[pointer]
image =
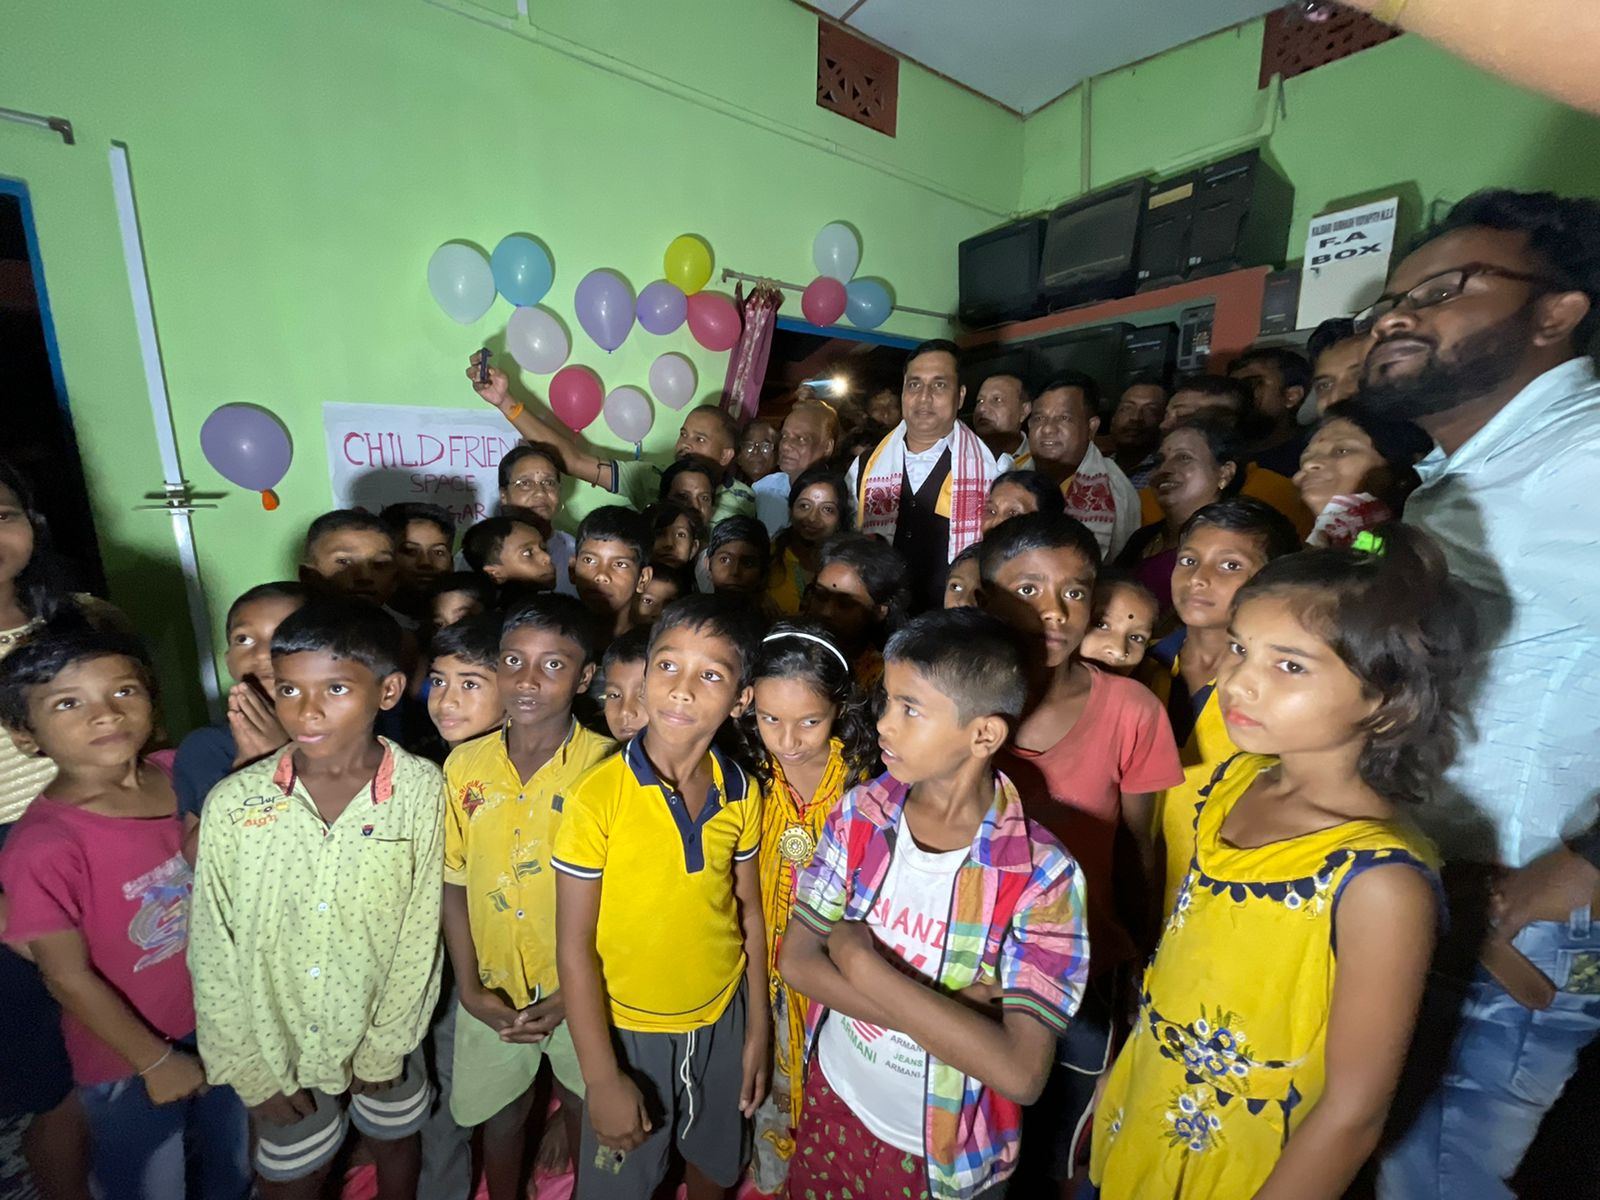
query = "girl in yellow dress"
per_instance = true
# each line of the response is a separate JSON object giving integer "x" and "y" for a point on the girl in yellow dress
{"x": 820, "y": 741}
{"x": 1262, "y": 1063}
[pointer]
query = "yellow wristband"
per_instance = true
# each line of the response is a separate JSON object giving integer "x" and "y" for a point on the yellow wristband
{"x": 516, "y": 411}
{"x": 1388, "y": 11}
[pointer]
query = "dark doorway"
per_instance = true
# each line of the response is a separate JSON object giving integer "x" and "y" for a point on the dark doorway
{"x": 39, "y": 440}
{"x": 843, "y": 370}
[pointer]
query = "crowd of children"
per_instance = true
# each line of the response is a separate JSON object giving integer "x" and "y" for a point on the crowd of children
{"x": 786, "y": 885}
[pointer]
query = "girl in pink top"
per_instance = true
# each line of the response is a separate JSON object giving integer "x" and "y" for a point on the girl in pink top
{"x": 98, "y": 892}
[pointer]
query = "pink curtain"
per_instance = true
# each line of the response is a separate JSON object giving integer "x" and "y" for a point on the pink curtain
{"x": 747, "y": 365}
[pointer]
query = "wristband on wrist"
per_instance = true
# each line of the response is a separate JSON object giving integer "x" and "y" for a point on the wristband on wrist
{"x": 515, "y": 411}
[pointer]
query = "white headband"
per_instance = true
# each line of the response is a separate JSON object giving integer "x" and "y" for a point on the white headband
{"x": 810, "y": 637}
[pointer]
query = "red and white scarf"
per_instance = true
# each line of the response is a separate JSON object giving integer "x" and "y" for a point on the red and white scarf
{"x": 1345, "y": 517}
{"x": 972, "y": 469}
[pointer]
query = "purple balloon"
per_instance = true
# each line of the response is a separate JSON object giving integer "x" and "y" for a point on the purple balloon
{"x": 662, "y": 307}
{"x": 247, "y": 446}
{"x": 605, "y": 308}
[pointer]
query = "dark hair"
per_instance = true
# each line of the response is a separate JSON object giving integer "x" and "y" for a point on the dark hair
{"x": 970, "y": 554}
{"x": 1222, "y": 440}
{"x": 1115, "y": 577}
{"x": 822, "y": 473}
{"x": 529, "y": 450}
{"x": 680, "y": 575}
{"x": 1292, "y": 367}
{"x": 803, "y": 650}
{"x": 1246, "y": 514}
{"x": 1144, "y": 379}
{"x": 42, "y": 589}
{"x": 345, "y": 628}
{"x": 1035, "y": 531}
{"x": 1038, "y": 485}
{"x": 283, "y": 589}
{"x": 557, "y": 613}
{"x": 663, "y": 513}
{"x": 758, "y": 419}
{"x": 1075, "y": 379}
{"x": 341, "y": 520}
{"x": 879, "y": 567}
{"x": 725, "y": 422}
{"x": 969, "y": 655}
{"x": 633, "y": 646}
{"x": 856, "y": 444}
{"x": 1224, "y": 387}
{"x": 42, "y": 658}
{"x": 1329, "y": 334}
{"x": 474, "y": 639}
{"x": 470, "y": 582}
{"x": 481, "y": 545}
{"x": 1022, "y": 384}
{"x": 733, "y": 620}
{"x": 1405, "y": 629}
{"x": 932, "y": 346}
{"x": 689, "y": 464}
{"x": 1400, "y": 444}
{"x": 741, "y": 529}
{"x": 614, "y": 523}
{"x": 1563, "y": 235}
{"x": 398, "y": 516}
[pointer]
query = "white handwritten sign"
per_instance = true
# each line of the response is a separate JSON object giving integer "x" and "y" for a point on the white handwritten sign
{"x": 382, "y": 454}
{"x": 1347, "y": 261}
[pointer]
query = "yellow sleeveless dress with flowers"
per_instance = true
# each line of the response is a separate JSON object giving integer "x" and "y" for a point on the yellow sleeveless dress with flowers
{"x": 791, "y": 826}
{"x": 1226, "y": 1056}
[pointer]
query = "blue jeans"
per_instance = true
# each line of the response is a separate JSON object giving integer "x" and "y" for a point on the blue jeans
{"x": 146, "y": 1151}
{"x": 1504, "y": 1070}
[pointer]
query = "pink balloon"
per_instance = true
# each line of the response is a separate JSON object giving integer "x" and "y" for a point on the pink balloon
{"x": 576, "y": 396}
{"x": 824, "y": 300}
{"x": 714, "y": 321}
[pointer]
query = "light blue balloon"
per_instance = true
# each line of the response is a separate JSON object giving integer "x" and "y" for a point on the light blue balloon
{"x": 461, "y": 281}
{"x": 867, "y": 303}
{"x": 522, "y": 269}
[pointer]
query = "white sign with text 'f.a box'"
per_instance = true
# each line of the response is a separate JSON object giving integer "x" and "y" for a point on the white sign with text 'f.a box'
{"x": 1347, "y": 261}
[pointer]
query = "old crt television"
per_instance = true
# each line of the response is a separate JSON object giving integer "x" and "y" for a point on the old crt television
{"x": 1098, "y": 351}
{"x": 1242, "y": 210}
{"x": 999, "y": 278}
{"x": 1091, "y": 246}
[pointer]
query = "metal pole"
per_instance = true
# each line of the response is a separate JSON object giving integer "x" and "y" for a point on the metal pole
{"x": 728, "y": 273}
{"x": 175, "y": 487}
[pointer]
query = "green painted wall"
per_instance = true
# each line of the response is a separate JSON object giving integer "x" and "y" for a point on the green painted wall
{"x": 297, "y": 162}
{"x": 1401, "y": 114}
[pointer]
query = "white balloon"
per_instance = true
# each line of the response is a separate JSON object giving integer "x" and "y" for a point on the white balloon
{"x": 672, "y": 379}
{"x": 536, "y": 340}
{"x": 628, "y": 413}
{"x": 836, "y": 251}
{"x": 462, "y": 282}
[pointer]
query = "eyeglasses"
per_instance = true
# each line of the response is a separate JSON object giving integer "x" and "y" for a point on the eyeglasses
{"x": 1438, "y": 289}
{"x": 752, "y": 447}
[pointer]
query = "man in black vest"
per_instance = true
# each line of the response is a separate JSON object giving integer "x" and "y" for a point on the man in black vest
{"x": 917, "y": 515}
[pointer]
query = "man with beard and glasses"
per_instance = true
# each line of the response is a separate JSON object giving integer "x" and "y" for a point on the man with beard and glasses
{"x": 1480, "y": 340}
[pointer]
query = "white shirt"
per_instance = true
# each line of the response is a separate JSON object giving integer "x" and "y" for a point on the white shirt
{"x": 881, "y": 1073}
{"x": 772, "y": 501}
{"x": 920, "y": 465}
{"x": 1517, "y": 512}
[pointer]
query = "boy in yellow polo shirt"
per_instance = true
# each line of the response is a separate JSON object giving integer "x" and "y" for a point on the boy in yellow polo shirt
{"x": 658, "y": 914}
{"x": 505, "y": 795}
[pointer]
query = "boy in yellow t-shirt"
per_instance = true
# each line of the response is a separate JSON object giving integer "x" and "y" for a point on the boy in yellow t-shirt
{"x": 504, "y": 802}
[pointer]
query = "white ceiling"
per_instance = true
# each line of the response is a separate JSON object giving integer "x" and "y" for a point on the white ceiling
{"x": 1025, "y": 53}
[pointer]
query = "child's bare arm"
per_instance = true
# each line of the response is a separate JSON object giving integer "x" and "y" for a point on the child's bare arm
{"x": 805, "y": 965}
{"x": 614, "y": 1104}
{"x": 489, "y": 1007}
{"x": 758, "y": 1015}
{"x": 1138, "y": 817}
{"x": 1385, "y": 926}
{"x": 579, "y": 462}
{"x": 63, "y": 960}
{"x": 1009, "y": 1051}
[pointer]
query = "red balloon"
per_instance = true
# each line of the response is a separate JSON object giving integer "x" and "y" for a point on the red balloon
{"x": 714, "y": 321}
{"x": 824, "y": 300}
{"x": 576, "y": 396}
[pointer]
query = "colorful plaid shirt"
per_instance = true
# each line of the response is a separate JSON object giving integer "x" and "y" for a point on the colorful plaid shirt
{"x": 1017, "y": 915}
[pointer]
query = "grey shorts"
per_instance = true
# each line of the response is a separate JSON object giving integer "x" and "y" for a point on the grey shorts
{"x": 286, "y": 1152}
{"x": 691, "y": 1084}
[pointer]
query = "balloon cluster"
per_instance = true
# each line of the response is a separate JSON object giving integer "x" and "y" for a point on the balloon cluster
{"x": 835, "y": 292}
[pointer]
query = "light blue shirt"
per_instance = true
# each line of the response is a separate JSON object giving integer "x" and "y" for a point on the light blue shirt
{"x": 1517, "y": 511}
{"x": 772, "y": 501}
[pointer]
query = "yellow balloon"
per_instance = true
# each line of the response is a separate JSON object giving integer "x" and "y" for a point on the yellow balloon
{"x": 688, "y": 264}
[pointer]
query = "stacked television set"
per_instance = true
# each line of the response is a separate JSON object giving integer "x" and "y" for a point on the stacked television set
{"x": 1134, "y": 236}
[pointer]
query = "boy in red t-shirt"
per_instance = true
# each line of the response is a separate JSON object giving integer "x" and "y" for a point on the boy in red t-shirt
{"x": 1088, "y": 755}
{"x": 99, "y": 893}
